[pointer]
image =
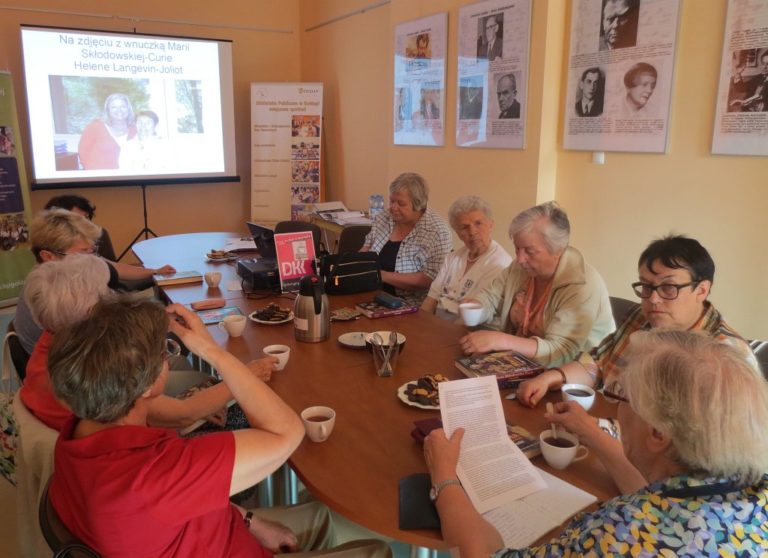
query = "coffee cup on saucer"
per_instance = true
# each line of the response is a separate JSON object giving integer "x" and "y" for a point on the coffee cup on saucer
{"x": 233, "y": 325}
{"x": 281, "y": 352}
{"x": 318, "y": 422}
{"x": 581, "y": 394}
{"x": 561, "y": 451}
{"x": 471, "y": 313}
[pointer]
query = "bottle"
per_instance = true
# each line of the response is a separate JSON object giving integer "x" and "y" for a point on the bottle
{"x": 372, "y": 206}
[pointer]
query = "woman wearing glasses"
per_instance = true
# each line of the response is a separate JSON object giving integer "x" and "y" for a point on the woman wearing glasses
{"x": 695, "y": 421}
{"x": 675, "y": 277}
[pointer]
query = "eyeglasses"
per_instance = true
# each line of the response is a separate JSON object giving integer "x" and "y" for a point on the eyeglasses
{"x": 667, "y": 291}
{"x": 612, "y": 397}
{"x": 87, "y": 252}
{"x": 172, "y": 348}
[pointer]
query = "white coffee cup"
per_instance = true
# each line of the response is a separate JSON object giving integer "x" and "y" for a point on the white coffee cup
{"x": 318, "y": 422}
{"x": 471, "y": 313}
{"x": 581, "y": 394}
{"x": 233, "y": 325}
{"x": 212, "y": 278}
{"x": 281, "y": 352}
{"x": 561, "y": 457}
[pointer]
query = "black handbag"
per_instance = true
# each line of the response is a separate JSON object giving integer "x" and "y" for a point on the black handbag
{"x": 351, "y": 272}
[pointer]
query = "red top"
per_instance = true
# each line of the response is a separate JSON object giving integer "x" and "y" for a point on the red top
{"x": 36, "y": 392}
{"x": 98, "y": 149}
{"x": 135, "y": 491}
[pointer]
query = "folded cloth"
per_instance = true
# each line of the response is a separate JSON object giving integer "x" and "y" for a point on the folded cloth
{"x": 424, "y": 427}
{"x": 416, "y": 509}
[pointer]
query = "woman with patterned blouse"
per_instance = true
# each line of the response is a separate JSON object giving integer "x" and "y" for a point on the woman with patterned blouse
{"x": 694, "y": 418}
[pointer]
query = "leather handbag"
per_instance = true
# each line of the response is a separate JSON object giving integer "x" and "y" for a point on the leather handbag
{"x": 351, "y": 272}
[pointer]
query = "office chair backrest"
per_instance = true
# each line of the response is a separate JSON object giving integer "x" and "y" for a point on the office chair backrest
{"x": 300, "y": 226}
{"x": 19, "y": 356}
{"x": 352, "y": 238}
{"x": 62, "y": 542}
{"x": 620, "y": 307}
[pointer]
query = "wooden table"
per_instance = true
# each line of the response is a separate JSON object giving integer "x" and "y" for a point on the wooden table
{"x": 356, "y": 471}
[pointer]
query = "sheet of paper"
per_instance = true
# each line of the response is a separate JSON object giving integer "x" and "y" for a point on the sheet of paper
{"x": 492, "y": 469}
{"x": 235, "y": 244}
{"x": 523, "y": 521}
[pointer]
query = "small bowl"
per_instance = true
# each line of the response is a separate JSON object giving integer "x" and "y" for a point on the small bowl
{"x": 385, "y": 339}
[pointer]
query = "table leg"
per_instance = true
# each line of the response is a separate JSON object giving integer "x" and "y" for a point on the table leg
{"x": 290, "y": 486}
{"x": 266, "y": 492}
{"x": 421, "y": 552}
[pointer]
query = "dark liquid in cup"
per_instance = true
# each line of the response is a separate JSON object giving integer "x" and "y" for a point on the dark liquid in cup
{"x": 277, "y": 352}
{"x": 578, "y": 392}
{"x": 559, "y": 442}
{"x": 317, "y": 418}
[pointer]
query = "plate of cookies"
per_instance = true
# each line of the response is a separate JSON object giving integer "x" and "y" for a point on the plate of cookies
{"x": 422, "y": 393}
{"x": 220, "y": 256}
{"x": 272, "y": 315}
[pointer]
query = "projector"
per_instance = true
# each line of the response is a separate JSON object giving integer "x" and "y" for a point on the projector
{"x": 259, "y": 275}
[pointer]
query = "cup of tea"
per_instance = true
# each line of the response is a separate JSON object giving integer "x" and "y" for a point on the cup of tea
{"x": 561, "y": 451}
{"x": 212, "y": 278}
{"x": 471, "y": 313}
{"x": 281, "y": 352}
{"x": 233, "y": 325}
{"x": 318, "y": 422}
{"x": 581, "y": 394}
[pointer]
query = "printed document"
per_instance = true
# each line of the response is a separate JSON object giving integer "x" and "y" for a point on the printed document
{"x": 492, "y": 469}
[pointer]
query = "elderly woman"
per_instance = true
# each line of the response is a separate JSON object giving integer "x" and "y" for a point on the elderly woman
{"x": 56, "y": 234}
{"x": 411, "y": 240}
{"x": 472, "y": 267}
{"x": 102, "y": 139}
{"x": 62, "y": 293}
{"x": 696, "y": 448}
{"x": 115, "y": 476}
{"x": 640, "y": 81}
{"x": 675, "y": 277}
{"x": 550, "y": 303}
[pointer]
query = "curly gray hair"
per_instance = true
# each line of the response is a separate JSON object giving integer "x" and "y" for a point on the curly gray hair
{"x": 552, "y": 223}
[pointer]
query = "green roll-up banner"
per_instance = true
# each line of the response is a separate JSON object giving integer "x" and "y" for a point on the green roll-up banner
{"x": 15, "y": 210}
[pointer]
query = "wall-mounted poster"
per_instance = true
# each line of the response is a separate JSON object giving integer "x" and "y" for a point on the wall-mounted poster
{"x": 620, "y": 72}
{"x": 741, "y": 122}
{"x": 494, "y": 38}
{"x": 419, "y": 96}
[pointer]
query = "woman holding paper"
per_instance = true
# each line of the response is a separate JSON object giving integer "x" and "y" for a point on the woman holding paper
{"x": 695, "y": 424}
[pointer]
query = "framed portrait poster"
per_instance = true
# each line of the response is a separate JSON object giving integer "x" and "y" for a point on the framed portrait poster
{"x": 491, "y": 98}
{"x": 620, "y": 70}
{"x": 741, "y": 120}
{"x": 419, "y": 94}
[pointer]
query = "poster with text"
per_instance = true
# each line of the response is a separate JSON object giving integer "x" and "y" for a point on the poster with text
{"x": 295, "y": 255}
{"x": 620, "y": 71}
{"x": 419, "y": 94}
{"x": 286, "y": 132}
{"x": 491, "y": 98}
{"x": 741, "y": 121}
{"x": 15, "y": 210}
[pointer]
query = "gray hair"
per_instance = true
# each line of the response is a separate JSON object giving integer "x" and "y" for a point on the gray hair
{"x": 56, "y": 230}
{"x": 415, "y": 186}
{"x": 467, "y": 204}
{"x": 554, "y": 225}
{"x": 704, "y": 395}
{"x": 62, "y": 292}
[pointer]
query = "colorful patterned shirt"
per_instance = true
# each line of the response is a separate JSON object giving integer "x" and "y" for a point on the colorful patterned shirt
{"x": 608, "y": 357}
{"x": 667, "y": 518}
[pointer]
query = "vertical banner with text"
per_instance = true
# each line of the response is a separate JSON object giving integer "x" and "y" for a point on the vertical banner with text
{"x": 15, "y": 213}
{"x": 286, "y": 127}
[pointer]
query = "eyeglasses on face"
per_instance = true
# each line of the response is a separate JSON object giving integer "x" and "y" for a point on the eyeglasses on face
{"x": 87, "y": 251}
{"x": 613, "y": 397}
{"x": 172, "y": 348}
{"x": 667, "y": 291}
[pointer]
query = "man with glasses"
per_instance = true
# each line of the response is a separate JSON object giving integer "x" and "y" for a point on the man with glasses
{"x": 55, "y": 234}
{"x": 675, "y": 278}
{"x": 489, "y": 42}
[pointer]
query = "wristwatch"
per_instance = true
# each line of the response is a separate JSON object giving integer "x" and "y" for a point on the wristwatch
{"x": 434, "y": 492}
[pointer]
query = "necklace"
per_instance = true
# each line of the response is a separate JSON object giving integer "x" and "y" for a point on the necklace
{"x": 473, "y": 260}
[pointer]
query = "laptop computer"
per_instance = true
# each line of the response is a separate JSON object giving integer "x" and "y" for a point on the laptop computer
{"x": 264, "y": 238}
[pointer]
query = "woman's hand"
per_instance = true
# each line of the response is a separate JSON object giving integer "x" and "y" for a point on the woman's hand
{"x": 190, "y": 328}
{"x": 576, "y": 420}
{"x": 442, "y": 453}
{"x": 482, "y": 342}
{"x": 274, "y": 536}
{"x": 167, "y": 269}
{"x": 531, "y": 391}
{"x": 262, "y": 368}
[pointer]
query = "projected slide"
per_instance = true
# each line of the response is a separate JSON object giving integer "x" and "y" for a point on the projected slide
{"x": 104, "y": 106}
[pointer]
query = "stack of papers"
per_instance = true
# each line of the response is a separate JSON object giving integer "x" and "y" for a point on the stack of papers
{"x": 239, "y": 244}
{"x": 346, "y": 217}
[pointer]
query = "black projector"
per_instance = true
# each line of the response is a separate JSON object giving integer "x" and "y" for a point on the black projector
{"x": 259, "y": 275}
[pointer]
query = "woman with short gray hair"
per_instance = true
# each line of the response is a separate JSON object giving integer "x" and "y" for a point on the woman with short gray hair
{"x": 411, "y": 240}
{"x": 550, "y": 304}
{"x": 472, "y": 267}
